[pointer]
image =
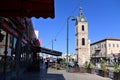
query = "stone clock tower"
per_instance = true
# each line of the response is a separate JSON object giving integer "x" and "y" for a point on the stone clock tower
{"x": 82, "y": 42}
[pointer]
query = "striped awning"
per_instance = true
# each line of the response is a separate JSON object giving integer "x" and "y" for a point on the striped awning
{"x": 27, "y": 8}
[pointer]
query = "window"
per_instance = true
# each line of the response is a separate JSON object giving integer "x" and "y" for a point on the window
{"x": 102, "y": 45}
{"x": 98, "y": 45}
{"x": 117, "y": 45}
{"x": 83, "y": 41}
{"x": 83, "y": 28}
{"x": 109, "y": 45}
{"x": 105, "y": 45}
{"x": 113, "y": 45}
{"x": 94, "y": 47}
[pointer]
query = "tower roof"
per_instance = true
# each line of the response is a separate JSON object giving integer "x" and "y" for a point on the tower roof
{"x": 81, "y": 17}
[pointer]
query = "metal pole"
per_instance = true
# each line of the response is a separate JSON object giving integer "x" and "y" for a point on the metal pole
{"x": 52, "y": 45}
{"x": 5, "y": 57}
{"x": 52, "y": 48}
{"x": 17, "y": 56}
{"x": 67, "y": 42}
{"x": 67, "y": 46}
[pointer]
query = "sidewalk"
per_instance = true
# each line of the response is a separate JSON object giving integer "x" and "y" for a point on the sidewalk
{"x": 54, "y": 74}
{"x": 75, "y": 76}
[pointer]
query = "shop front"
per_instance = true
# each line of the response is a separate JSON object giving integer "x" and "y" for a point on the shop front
{"x": 15, "y": 48}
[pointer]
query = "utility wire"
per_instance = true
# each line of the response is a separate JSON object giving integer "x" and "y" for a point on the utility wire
{"x": 61, "y": 29}
{"x": 78, "y": 6}
{"x": 74, "y": 10}
{"x": 63, "y": 25}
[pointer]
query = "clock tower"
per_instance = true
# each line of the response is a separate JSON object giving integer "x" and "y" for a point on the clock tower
{"x": 82, "y": 42}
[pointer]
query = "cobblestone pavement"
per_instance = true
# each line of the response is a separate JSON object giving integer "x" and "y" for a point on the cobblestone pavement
{"x": 53, "y": 74}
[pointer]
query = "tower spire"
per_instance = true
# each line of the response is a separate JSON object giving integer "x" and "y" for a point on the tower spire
{"x": 81, "y": 17}
{"x": 81, "y": 13}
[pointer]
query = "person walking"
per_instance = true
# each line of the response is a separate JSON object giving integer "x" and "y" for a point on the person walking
{"x": 46, "y": 64}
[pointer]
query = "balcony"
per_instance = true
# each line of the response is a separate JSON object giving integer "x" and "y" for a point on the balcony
{"x": 97, "y": 49}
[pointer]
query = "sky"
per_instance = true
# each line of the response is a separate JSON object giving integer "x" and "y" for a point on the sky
{"x": 103, "y": 17}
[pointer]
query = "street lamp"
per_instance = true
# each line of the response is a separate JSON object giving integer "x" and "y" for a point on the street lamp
{"x": 67, "y": 41}
{"x": 52, "y": 44}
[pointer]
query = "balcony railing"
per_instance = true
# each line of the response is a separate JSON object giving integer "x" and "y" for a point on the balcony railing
{"x": 98, "y": 49}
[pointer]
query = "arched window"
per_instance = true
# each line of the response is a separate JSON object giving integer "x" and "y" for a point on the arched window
{"x": 83, "y": 28}
{"x": 83, "y": 41}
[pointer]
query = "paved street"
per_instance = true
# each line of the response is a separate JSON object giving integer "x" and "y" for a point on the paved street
{"x": 54, "y": 74}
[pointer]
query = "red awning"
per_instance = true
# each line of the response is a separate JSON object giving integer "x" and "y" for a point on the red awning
{"x": 28, "y": 8}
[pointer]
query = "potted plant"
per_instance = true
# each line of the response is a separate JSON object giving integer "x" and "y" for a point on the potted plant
{"x": 116, "y": 73}
{"x": 87, "y": 67}
{"x": 104, "y": 70}
{"x": 74, "y": 67}
{"x": 90, "y": 68}
{"x": 83, "y": 69}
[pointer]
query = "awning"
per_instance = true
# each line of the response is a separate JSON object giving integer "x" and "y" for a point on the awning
{"x": 28, "y": 8}
{"x": 48, "y": 51}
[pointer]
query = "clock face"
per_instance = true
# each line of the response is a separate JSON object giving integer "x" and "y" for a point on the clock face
{"x": 82, "y": 19}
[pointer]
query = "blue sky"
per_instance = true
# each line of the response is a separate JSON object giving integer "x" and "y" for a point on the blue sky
{"x": 103, "y": 18}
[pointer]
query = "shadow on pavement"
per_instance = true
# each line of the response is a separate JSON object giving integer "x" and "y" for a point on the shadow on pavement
{"x": 41, "y": 75}
{"x": 31, "y": 76}
{"x": 38, "y": 76}
{"x": 54, "y": 77}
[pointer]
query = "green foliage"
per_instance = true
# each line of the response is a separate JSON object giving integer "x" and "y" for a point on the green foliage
{"x": 103, "y": 65}
{"x": 63, "y": 61}
{"x": 88, "y": 65}
{"x": 116, "y": 68}
{"x": 91, "y": 65}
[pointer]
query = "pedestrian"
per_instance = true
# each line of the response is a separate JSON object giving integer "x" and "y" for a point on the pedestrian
{"x": 46, "y": 64}
{"x": 76, "y": 65}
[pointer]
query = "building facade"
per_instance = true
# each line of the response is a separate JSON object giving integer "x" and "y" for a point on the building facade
{"x": 17, "y": 44}
{"x": 108, "y": 48}
{"x": 82, "y": 42}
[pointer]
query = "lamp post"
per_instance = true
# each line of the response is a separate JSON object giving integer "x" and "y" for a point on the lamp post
{"x": 53, "y": 43}
{"x": 67, "y": 41}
